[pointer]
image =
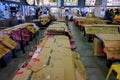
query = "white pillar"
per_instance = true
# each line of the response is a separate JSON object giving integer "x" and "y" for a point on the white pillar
{"x": 100, "y": 7}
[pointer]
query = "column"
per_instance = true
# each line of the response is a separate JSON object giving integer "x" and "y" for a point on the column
{"x": 62, "y": 3}
{"x": 59, "y": 3}
{"x": 81, "y": 3}
{"x": 100, "y": 7}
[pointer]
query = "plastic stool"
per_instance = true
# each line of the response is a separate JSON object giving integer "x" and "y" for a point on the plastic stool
{"x": 73, "y": 47}
{"x": 31, "y": 54}
{"x": 72, "y": 39}
{"x": 116, "y": 68}
{"x": 36, "y": 45}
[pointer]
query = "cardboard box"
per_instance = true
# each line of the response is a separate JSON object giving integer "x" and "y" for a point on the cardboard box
{"x": 98, "y": 47}
{"x": 22, "y": 74}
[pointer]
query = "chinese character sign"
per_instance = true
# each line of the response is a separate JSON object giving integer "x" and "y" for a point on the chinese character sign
{"x": 90, "y": 2}
{"x": 50, "y": 2}
{"x": 113, "y": 2}
{"x": 70, "y": 2}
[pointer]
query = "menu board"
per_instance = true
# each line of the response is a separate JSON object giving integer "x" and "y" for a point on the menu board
{"x": 50, "y": 2}
{"x": 113, "y": 2}
{"x": 13, "y": 0}
{"x": 90, "y": 2}
{"x": 70, "y": 2}
{"x": 30, "y": 2}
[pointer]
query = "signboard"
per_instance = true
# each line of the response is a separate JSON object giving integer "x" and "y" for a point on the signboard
{"x": 113, "y": 2}
{"x": 38, "y": 2}
{"x": 30, "y": 2}
{"x": 50, "y": 2}
{"x": 70, "y": 2}
{"x": 13, "y": 0}
{"x": 90, "y": 2}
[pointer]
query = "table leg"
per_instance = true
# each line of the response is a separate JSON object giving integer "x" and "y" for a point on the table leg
{"x": 3, "y": 63}
{"x": 13, "y": 53}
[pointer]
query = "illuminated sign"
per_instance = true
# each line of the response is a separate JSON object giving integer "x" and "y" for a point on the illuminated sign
{"x": 113, "y": 2}
{"x": 38, "y": 2}
{"x": 50, "y": 2}
{"x": 90, "y": 2}
{"x": 13, "y": 0}
{"x": 30, "y": 2}
{"x": 70, "y": 2}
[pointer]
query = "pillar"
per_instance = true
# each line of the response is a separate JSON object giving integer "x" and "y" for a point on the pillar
{"x": 79, "y": 3}
{"x": 100, "y": 7}
{"x": 62, "y": 3}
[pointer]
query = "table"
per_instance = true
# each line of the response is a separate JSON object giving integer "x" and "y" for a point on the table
{"x": 112, "y": 44}
{"x": 100, "y": 29}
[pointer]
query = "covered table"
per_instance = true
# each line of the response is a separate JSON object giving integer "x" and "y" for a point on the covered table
{"x": 100, "y": 29}
{"x": 109, "y": 44}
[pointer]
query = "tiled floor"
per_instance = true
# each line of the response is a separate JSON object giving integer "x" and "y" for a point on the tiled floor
{"x": 95, "y": 66}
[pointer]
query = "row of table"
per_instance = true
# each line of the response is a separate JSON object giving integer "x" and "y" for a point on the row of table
{"x": 106, "y": 37}
{"x": 53, "y": 59}
{"x": 15, "y": 38}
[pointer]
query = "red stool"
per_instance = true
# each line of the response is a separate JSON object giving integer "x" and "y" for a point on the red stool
{"x": 36, "y": 45}
{"x": 73, "y": 47}
{"x": 31, "y": 54}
